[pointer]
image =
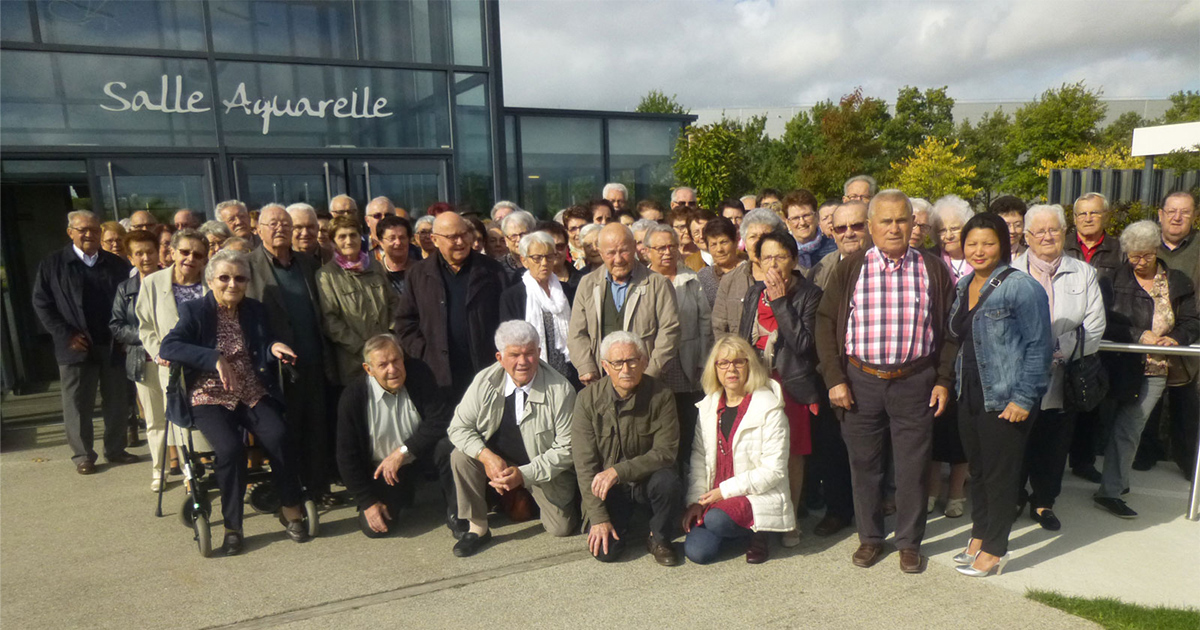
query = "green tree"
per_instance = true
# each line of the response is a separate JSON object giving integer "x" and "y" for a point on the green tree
{"x": 1058, "y": 122}
{"x": 933, "y": 171}
{"x": 658, "y": 103}
{"x": 848, "y": 142}
{"x": 1120, "y": 131}
{"x": 766, "y": 160}
{"x": 983, "y": 146}
{"x": 1185, "y": 107}
{"x": 918, "y": 116}
{"x": 709, "y": 158}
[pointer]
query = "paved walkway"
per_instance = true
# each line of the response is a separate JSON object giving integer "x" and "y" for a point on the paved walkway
{"x": 87, "y": 552}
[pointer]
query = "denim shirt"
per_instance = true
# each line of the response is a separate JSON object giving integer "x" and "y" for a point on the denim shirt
{"x": 1013, "y": 344}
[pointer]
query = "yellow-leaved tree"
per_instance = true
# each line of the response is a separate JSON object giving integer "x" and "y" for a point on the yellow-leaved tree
{"x": 933, "y": 170}
{"x": 1094, "y": 157}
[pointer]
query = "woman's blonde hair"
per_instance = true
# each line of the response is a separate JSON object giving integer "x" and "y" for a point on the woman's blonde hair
{"x": 733, "y": 347}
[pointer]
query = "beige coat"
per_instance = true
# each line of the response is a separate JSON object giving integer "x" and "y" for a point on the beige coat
{"x": 695, "y": 327}
{"x": 354, "y": 308}
{"x": 650, "y": 313}
{"x": 727, "y": 309}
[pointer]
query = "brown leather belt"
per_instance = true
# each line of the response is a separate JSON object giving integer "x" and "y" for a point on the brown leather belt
{"x": 892, "y": 374}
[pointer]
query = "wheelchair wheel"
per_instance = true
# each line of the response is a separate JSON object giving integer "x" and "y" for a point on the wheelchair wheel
{"x": 203, "y": 535}
{"x": 263, "y": 498}
{"x": 310, "y": 514}
{"x": 187, "y": 509}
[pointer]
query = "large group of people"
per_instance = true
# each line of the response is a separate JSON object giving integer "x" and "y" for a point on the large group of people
{"x": 724, "y": 370}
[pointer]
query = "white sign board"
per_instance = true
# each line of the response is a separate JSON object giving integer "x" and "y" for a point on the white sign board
{"x": 1164, "y": 139}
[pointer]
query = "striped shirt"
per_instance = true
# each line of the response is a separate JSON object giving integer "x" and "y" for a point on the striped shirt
{"x": 890, "y": 322}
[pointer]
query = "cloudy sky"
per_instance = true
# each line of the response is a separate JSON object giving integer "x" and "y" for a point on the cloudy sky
{"x": 606, "y": 54}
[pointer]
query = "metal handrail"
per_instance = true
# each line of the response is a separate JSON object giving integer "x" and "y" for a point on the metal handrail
{"x": 1193, "y": 510}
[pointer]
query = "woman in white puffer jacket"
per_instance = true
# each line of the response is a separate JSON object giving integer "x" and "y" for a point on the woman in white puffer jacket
{"x": 738, "y": 483}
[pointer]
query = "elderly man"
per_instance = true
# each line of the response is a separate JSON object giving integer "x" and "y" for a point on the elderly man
{"x": 800, "y": 209}
{"x": 185, "y": 218}
{"x": 859, "y": 188}
{"x": 625, "y": 437}
{"x": 1087, "y": 241}
{"x": 306, "y": 231}
{"x": 652, "y": 210}
{"x": 377, "y": 209}
{"x": 73, "y": 296}
{"x": 342, "y": 205}
{"x": 849, "y": 227}
{"x": 449, "y": 314}
{"x": 617, "y": 195}
{"x": 515, "y": 226}
{"x": 512, "y": 432}
{"x": 391, "y": 427}
{"x": 234, "y": 215}
{"x": 1180, "y": 247}
{"x": 284, "y": 281}
{"x": 727, "y": 308}
{"x": 1012, "y": 210}
{"x": 624, "y": 295}
{"x": 503, "y": 209}
{"x": 889, "y": 368}
{"x": 683, "y": 196}
{"x": 143, "y": 220}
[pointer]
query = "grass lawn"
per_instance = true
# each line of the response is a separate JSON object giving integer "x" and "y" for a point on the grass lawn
{"x": 1113, "y": 614}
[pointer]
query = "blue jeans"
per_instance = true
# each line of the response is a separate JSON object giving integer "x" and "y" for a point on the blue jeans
{"x": 703, "y": 543}
{"x": 1128, "y": 422}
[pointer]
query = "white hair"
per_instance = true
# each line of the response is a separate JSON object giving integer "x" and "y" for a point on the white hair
{"x": 558, "y": 216}
{"x": 80, "y": 214}
{"x": 621, "y": 338}
{"x": 228, "y": 203}
{"x": 126, "y": 223}
{"x": 588, "y": 229}
{"x": 950, "y": 205}
{"x": 521, "y": 219}
{"x": 427, "y": 219}
{"x": 1055, "y": 211}
{"x": 215, "y": 228}
{"x": 504, "y": 204}
{"x": 1141, "y": 236}
{"x": 271, "y": 206}
{"x": 919, "y": 205}
{"x": 1094, "y": 195}
{"x": 297, "y": 209}
{"x": 872, "y": 185}
{"x": 529, "y": 239}
{"x": 641, "y": 225}
{"x": 753, "y": 201}
{"x": 614, "y": 186}
{"x": 379, "y": 342}
{"x": 891, "y": 194}
{"x": 761, "y": 216}
{"x": 516, "y": 332}
{"x": 353, "y": 203}
{"x": 659, "y": 228}
{"x": 682, "y": 188}
{"x": 231, "y": 256}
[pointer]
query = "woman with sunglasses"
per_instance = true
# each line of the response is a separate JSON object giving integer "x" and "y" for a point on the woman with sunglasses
{"x": 230, "y": 383}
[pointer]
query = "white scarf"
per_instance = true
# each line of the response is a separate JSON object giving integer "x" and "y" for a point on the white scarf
{"x": 537, "y": 302}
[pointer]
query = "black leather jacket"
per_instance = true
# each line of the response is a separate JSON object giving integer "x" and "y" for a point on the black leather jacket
{"x": 124, "y": 327}
{"x": 796, "y": 348}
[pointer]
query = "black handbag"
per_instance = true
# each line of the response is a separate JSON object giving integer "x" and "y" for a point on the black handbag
{"x": 1085, "y": 382}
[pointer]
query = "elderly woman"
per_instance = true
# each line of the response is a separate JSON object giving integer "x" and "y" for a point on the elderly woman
{"x": 566, "y": 272}
{"x": 720, "y": 239}
{"x": 727, "y": 308}
{"x": 920, "y": 231}
{"x": 948, "y": 216}
{"x": 515, "y": 226}
{"x": 165, "y": 235}
{"x": 737, "y": 484}
{"x": 226, "y": 351}
{"x": 142, "y": 248}
{"x": 357, "y": 300}
{"x": 1147, "y": 304}
{"x": 423, "y": 229}
{"x": 778, "y": 318}
{"x": 111, "y": 234}
{"x": 544, "y": 301}
{"x": 682, "y": 372}
{"x": 1076, "y": 326}
{"x": 589, "y": 237}
{"x": 215, "y": 234}
{"x": 1001, "y": 318}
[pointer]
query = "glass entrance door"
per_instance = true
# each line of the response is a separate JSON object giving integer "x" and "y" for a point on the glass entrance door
{"x": 160, "y": 185}
{"x": 412, "y": 184}
{"x": 259, "y": 181}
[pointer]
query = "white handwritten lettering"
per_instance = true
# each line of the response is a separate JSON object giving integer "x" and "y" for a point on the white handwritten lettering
{"x": 142, "y": 100}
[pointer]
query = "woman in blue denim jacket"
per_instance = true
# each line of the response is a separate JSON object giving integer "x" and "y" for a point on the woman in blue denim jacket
{"x": 1001, "y": 317}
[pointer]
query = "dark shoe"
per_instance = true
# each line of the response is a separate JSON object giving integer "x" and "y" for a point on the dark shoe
{"x": 470, "y": 543}
{"x": 457, "y": 526}
{"x": 830, "y": 525}
{"x": 1046, "y": 519}
{"x": 1116, "y": 507}
{"x": 297, "y": 530}
{"x": 122, "y": 457}
{"x": 233, "y": 543}
{"x": 329, "y": 501}
{"x": 757, "y": 552}
{"x": 85, "y": 467}
{"x": 1087, "y": 472}
{"x": 867, "y": 555}
{"x": 910, "y": 561}
{"x": 1143, "y": 465}
{"x": 663, "y": 552}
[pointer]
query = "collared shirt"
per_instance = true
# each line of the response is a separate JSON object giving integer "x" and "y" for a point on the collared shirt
{"x": 890, "y": 322}
{"x": 1088, "y": 252}
{"x": 522, "y": 391}
{"x": 391, "y": 419}
{"x": 87, "y": 260}
{"x": 620, "y": 290}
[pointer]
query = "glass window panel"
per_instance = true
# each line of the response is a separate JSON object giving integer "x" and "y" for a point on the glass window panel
{"x": 466, "y": 18}
{"x": 641, "y": 156}
{"x": 562, "y": 162}
{"x": 15, "y": 25}
{"x": 415, "y": 31}
{"x": 330, "y": 106}
{"x": 123, "y": 23}
{"x": 61, "y": 99}
{"x": 161, "y": 186}
{"x": 512, "y": 181}
{"x": 474, "y": 143}
{"x": 293, "y": 29}
{"x": 412, "y": 184}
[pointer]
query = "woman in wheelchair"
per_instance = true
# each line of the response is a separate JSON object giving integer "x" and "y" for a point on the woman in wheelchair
{"x": 226, "y": 350}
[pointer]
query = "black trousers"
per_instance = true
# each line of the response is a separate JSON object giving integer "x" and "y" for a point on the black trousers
{"x": 309, "y": 425}
{"x": 1046, "y": 456}
{"x": 995, "y": 456}
{"x": 396, "y": 498}
{"x": 1087, "y": 438}
{"x": 221, "y": 427}
{"x": 685, "y": 406}
{"x": 831, "y": 464}
{"x": 80, "y": 382}
{"x": 662, "y": 492}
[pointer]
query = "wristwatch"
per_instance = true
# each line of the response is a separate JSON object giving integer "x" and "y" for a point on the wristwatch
{"x": 403, "y": 449}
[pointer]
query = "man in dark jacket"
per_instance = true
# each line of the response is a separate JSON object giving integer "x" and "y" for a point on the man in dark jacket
{"x": 450, "y": 313}
{"x": 73, "y": 297}
{"x": 391, "y": 423}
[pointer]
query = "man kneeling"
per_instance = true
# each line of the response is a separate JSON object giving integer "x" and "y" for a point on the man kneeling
{"x": 512, "y": 430}
{"x": 391, "y": 425}
{"x": 625, "y": 437}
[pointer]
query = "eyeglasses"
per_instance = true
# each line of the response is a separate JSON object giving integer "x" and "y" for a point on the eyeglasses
{"x": 275, "y": 226}
{"x": 185, "y": 253}
{"x": 457, "y": 236}
{"x": 662, "y": 251}
{"x": 86, "y": 230}
{"x": 542, "y": 259}
{"x": 1040, "y": 234}
{"x": 853, "y": 227}
{"x": 620, "y": 364}
{"x": 1133, "y": 258}
{"x": 782, "y": 259}
{"x": 1177, "y": 212}
{"x": 377, "y": 216}
{"x": 516, "y": 237}
{"x": 226, "y": 278}
{"x": 1088, "y": 215}
{"x": 802, "y": 218}
{"x": 858, "y": 197}
{"x": 143, "y": 226}
{"x": 725, "y": 364}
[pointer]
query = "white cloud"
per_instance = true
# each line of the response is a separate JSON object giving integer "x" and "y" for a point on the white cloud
{"x": 757, "y": 53}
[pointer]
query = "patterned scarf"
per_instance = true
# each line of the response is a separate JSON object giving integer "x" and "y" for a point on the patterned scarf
{"x": 348, "y": 265}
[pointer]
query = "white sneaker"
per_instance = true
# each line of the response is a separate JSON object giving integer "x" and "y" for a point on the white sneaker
{"x": 156, "y": 485}
{"x": 790, "y": 539}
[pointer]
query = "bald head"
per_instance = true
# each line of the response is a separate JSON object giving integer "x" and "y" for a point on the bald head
{"x": 618, "y": 249}
{"x": 343, "y": 204}
{"x": 143, "y": 220}
{"x": 377, "y": 209}
{"x": 453, "y": 237}
{"x": 186, "y": 219}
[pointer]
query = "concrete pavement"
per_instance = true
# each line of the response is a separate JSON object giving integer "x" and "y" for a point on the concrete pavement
{"x": 87, "y": 552}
